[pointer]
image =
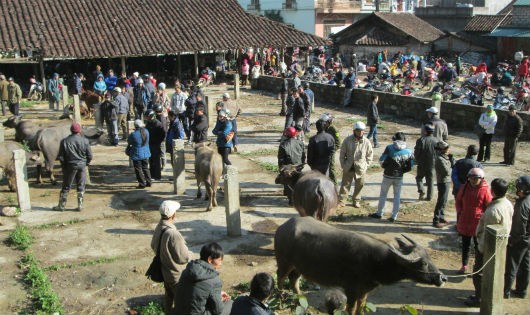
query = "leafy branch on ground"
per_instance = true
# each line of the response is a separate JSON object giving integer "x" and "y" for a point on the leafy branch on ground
{"x": 20, "y": 238}
{"x": 267, "y": 166}
{"x": 97, "y": 261}
{"x": 151, "y": 308}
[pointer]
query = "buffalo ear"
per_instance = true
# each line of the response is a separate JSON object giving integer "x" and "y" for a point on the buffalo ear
{"x": 404, "y": 247}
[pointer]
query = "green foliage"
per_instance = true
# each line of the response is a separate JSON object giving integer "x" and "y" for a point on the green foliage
{"x": 20, "y": 238}
{"x": 260, "y": 152}
{"x": 151, "y": 308}
{"x": 274, "y": 15}
{"x": 408, "y": 309}
{"x": 81, "y": 264}
{"x": 340, "y": 312}
{"x": 511, "y": 187}
{"x": 241, "y": 287}
{"x": 26, "y": 103}
{"x": 57, "y": 224}
{"x": 271, "y": 167}
{"x": 45, "y": 300}
{"x": 25, "y": 146}
{"x": 11, "y": 199}
{"x": 369, "y": 307}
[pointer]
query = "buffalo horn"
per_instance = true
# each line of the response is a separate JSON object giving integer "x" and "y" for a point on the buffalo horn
{"x": 410, "y": 258}
{"x": 410, "y": 240}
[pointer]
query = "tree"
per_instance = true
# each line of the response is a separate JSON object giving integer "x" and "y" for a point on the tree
{"x": 274, "y": 15}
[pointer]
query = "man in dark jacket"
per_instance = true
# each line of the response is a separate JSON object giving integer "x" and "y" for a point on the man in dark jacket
{"x": 75, "y": 155}
{"x": 261, "y": 288}
{"x": 295, "y": 109}
{"x": 199, "y": 288}
{"x": 328, "y": 118}
{"x": 513, "y": 128}
{"x": 441, "y": 131}
{"x": 307, "y": 108}
{"x": 175, "y": 131}
{"x": 349, "y": 84}
{"x": 199, "y": 127}
{"x": 142, "y": 99}
{"x": 424, "y": 155}
{"x": 290, "y": 152}
{"x": 373, "y": 119}
{"x": 462, "y": 167}
{"x": 320, "y": 149}
{"x": 109, "y": 110}
{"x": 156, "y": 137}
{"x": 284, "y": 90}
{"x": 518, "y": 255}
{"x": 189, "y": 113}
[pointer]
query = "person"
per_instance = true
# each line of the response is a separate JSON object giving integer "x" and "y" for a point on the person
{"x": 307, "y": 109}
{"x": 328, "y": 118}
{"x": 295, "y": 109}
{"x": 290, "y": 152}
{"x": 440, "y": 126}
{"x": 175, "y": 131}
{"x": 173, "y": 251}
{"x": 488, "y": 121}
{"x": 518, "y": 56}
{"x": 396, "y": 160}
{"x": 109, "y": 110}
{"x": 449, "y": 74}
{"x": 178, "y": 105}
{"x": 255, "y": 73}
{"x": 261, "y": 288}
{"x": 191, "y": 105}
{"x": 54, "y": 92}
{"x": 162, "y": 98}
{"x": 3, "y": 93}
{"x": 14, "y": 96}
{"x": 471, "y": 201}
{"x": 442, "y": 164}
{"x": 199, "y": 288}
{"x": 199, "y": 127}
{"x": 462, "y": 167}
{"x": 111, "y": 80}
{"x": 100, "y": 87}
{"x": 75, "y": 155}
{"x": 518, "y": 254}
{"x": 523, "y": 70}
{"x": 150, "y": 83}
{"x": 223, "y": 131}
{"x": 157, "y": 134}
{"x": 513, "y": 128}
{"x": 356, "y": 155}
{"x": 96, "y": 73}
{"x": 138, "y": 142}
{"x": 296, "y": 80}
{"x": 121, "y": 99}
{"x": 349, "y": 84}
{"x": 498, "y": 212}
{"x": 320, "y": 149}
{"x": 284, "y": 91}
{"x": 424, "y": 155}
{"x": 310, "y": 95}
{"x": 245, "y": 71}
{"x": 235, "y": 110}
{"x": 142, "y": 99}
{"x": 373, "y": 119}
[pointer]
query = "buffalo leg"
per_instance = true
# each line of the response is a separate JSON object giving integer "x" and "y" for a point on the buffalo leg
{"x": 213, "y": 195}
{"x": 52, "y": 177}
{"x": 360, "y": 304}
{"x": 199, "y": 193}
{"x": 294, "y": 280}
{"x": 39, "y": 174}
{"x": 209, "y": 194}
{"x": 282, "y": 272}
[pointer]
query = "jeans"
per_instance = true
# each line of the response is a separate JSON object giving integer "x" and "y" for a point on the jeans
{"x": 443, "y": 193}
{"x": 484, "y": 147}
{"x": 517, "y": 267}
{"x": 70, "y": 173}
{"x": 428, "y": 173}
{"x": 141, "y": 168}
{"x": 112, "y": 130}
{"x": 396, "y": 183}
{"x": 373, "y": 133}
{"x": 466, "y": 246}
{"x": 184, "y": 121}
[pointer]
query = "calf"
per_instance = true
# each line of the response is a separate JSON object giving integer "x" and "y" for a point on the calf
{"x": 208, "y": 170}
{"x": 355, "y": 262}
{"x": 314, "y": 194}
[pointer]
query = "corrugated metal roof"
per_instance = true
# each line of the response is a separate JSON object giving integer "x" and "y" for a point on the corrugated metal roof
{"x": 522, "y": 3}
{"x": 511, "y": 32}
{"x": 110, "y": 28}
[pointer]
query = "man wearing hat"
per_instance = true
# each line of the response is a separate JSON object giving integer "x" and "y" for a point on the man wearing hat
{"x": 513, "y": 128}
{"x": 122, "y": 103}
{"x": 441, "y": 131}
{"x": 290, "y": 152}
{"x": 488, "y": 121}
{"x": 349, "y": 84}
{"x": 443, "y": 164}
{"x": 173, "y": 251}
{"x": 141, "y": 99}
{"x": 424, "y": 156}
{"x": 14, "y": 95}
{"x": 3, "y": 93}
{"x": 234, "y": 111}
{"x": 109, "y": 110}
{"x": 75, "y": 155}
{"x": 224, "y": 133}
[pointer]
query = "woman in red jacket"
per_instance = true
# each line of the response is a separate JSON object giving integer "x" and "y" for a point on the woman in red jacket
{"x": 471, "y": 202}
{"x": 522, "y": 72}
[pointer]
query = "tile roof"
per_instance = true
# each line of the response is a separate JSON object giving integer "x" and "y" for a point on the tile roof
{"x": 377, "y": 37}
{"x": 110, "y": 28}
{"x": 487, "y": 23}
{"x": 411, "y": 25}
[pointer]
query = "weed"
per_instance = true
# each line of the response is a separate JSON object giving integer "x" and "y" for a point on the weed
{"x": 271, "y": 167}
{"x": 18, "y": 211}
{"x": 511, "y": 187}
{"x": 25, "y": 146}
{"x": 242, "y": 287}
{"x": 21, "y": 238}
{"x": 46, "y": 194}
{"x": 11, "y": 199}
{"x": 45, "y": 300}
{"x": 81, "y": 264}
{"x": 26, "y": 103}
{"x": 408, "y": 309}
{"x": 261, "y": 152}
{"x": 57, "y": 224}
{"x": 151, "y": 308}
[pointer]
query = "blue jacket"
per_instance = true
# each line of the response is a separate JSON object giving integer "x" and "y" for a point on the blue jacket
{"x": 221, "y": 130}
{"x": 100, "y": 87}
{"x": 349, "y": 81}
{"x": 396, "y": 159}
{"x": 175, "y": 131}
{"x": 111, "y": 82}
{"x": 139, "y": 152}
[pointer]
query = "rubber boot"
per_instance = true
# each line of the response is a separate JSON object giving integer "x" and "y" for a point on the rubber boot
{"x": 62, "y": 202}
{"x": 80, "y": 201}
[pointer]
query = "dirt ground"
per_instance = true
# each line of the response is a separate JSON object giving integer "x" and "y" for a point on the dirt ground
{"x": 118, "y": 221}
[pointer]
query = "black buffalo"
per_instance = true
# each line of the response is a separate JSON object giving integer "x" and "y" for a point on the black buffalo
{"x": 355, "y": 262}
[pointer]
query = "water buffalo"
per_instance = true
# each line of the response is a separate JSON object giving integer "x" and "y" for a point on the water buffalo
{"x": 91, "y": 99}
{"x": 355, "y": 262}
{"x": 24, "y": 130}
{"x": 314, "y": 194}
{"x": 48, "y": 141}
{"x": 208, "y": 170}
{"x": 7, "y": 163}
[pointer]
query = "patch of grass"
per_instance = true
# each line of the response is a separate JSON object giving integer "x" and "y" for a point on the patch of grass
{"x": 46, "y": 194}
{"x": 511, "y": 187}
{"x": 93, "y": 262}
{"x": 26, "y": 103}
{"x": 55, "y": 224}
{"x": 241, "y": 287}
{"x": 11, "y": 199}
{"x": 268, "y": 166}
{"x": 20, "y": 238}
{"x": 45, "y": 300}
{"x": 151, "y": 308}
{"x": 261, "y": 152}
{"x": 25, "y": 146}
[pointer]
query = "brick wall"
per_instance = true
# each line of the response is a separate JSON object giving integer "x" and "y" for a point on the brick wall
{"x": 457, "y": 116}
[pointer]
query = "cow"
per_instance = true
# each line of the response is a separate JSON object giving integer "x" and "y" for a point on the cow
{"x": 7, "y": 163}
{"x": 355, "y": 262}
{"x": 314, "y": 194}
{"x": 208, "y": 170}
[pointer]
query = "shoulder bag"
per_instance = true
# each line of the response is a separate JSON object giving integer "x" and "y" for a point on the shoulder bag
{"x": 154, "y": 272}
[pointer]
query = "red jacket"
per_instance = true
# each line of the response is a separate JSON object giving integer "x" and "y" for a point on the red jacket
{"x": 471, "y": 202}
{"x": 523, "y": 69}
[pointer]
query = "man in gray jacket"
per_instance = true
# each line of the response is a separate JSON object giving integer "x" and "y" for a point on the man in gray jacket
{"x": 443, "y": 164}
{"x": 424, "y": 155}
{"x": 122, "y": 102}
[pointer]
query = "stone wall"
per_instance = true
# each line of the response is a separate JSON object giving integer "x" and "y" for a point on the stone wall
{"x": 458, "y": 116}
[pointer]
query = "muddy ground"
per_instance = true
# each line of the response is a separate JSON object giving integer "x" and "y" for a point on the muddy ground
{"x": 118, "y": 221}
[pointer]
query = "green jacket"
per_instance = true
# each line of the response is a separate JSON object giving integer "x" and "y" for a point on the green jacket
{"x": 199, "y": 290}
{"x": 3, "y": 90}
{"x": 336, "y": 136}
{"x": 14, "y": 93}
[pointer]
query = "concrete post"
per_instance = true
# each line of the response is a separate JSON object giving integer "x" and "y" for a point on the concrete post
{"x": 211, "y": 112}
{"x": 65, "y": 96}
{"x": 493, "y": 273}
{"x": 179, "y": 169}
{"x": 232, "y": 208}
{"x": 2, "y": 132}
{"x": 88, "y": 181}
{"x": 77, "y": 109}
{"x": 21, "y": 177}
{"x": 236, "y": 86}
{"x": 97, "y": 115}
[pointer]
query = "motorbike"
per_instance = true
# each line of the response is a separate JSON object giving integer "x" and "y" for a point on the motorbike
{"x": 36, "y": 92}
{"x": 522, "y": 97}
